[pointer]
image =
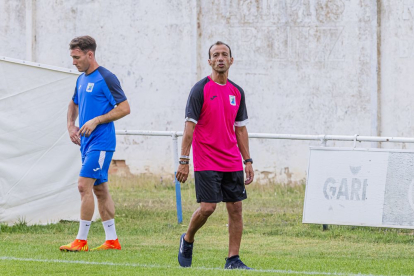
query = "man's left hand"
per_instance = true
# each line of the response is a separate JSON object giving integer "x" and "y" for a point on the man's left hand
{"x": 88, "y": 127}
{"x": 249, "y": 173}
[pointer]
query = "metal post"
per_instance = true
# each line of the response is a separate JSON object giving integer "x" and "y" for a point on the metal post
{"x": 323, "y": 144}
{"x": 355, "y": 139}
{"x": 177, "y": 184}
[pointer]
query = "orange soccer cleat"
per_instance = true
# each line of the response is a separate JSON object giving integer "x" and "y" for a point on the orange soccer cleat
{"x": 108, "y": 244}
{"x": 75, "y": 246}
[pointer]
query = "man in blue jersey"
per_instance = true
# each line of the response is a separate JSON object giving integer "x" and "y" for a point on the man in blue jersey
{"x": 98, "y": 100}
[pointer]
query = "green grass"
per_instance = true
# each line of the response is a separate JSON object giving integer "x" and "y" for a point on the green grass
{"x": 274, "y": 238}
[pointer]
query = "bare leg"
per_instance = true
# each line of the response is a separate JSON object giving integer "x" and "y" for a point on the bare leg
{"x": 85, "y": 185}
{"x": 234, "y": 210}
{"x": 198, "y": 219}
{"x": 106, "y": 205}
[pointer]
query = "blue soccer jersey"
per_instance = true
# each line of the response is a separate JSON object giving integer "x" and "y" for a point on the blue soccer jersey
{"x": 96, "y": 94}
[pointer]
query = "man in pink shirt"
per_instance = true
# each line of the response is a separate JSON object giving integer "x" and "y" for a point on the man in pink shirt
{"x": 216, "y": 118}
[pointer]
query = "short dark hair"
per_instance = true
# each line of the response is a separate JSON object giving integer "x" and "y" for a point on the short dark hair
{"x": 85, "y": 43}
{"x": 217, "y": 43}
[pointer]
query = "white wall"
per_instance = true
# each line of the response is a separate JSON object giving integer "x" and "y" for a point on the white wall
{"x": 12, "y": 28}
{"x": 397, "y": 58}
{"x": 307, "y": 66}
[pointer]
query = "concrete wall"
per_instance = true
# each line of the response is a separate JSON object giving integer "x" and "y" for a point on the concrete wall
{"x": 307, "y": 66}
{"x": 397, "y": 67}
{"x": 12, "y": 28}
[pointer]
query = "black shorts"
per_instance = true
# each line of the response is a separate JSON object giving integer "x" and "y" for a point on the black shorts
{"x": 214, "y": 186}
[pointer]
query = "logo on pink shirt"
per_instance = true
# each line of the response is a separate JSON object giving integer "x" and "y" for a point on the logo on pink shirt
{"x": 232, "y": 100}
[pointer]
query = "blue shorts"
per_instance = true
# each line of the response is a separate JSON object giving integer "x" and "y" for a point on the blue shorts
{"x": 95, "y": 164}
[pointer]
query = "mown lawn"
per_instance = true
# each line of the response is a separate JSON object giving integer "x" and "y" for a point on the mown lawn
{"x": 274, "y": 242}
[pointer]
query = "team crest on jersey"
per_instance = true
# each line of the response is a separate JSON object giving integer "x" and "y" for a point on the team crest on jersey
{"x": 89, "y": 88}
{"x": 232, "y": 100}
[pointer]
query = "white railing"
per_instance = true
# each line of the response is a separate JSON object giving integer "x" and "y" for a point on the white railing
{"x": 322, "y": 137}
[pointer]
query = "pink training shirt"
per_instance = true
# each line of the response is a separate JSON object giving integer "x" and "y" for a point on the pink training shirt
{"x": 216, "y": 109}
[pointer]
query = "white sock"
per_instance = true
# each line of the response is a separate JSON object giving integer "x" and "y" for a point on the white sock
{"x": 84, "y": 226}
{"x": 110, "y": 231}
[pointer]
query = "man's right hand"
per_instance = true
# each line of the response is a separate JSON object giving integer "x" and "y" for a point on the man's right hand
{"x": 182, "y": 173}
{"x": 73, "y": 134}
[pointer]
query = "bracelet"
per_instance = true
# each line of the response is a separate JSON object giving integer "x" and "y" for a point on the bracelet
{"x": 183, "y": 162}
{"x": 248, "y": 160}
{"x": 185, "y": 157}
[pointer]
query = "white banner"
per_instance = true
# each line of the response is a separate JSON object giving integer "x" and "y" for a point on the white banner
{"x": 362, "y": 187}
{"x": 39, "y": 165}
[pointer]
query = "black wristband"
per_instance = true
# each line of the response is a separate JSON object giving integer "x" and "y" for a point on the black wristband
{"x": 248, "y": 160}
{"x": 183, "y": 162}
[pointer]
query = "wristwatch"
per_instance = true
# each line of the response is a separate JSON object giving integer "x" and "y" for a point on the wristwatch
{"x": 248, "y": 160}
{"x": 183, "y": 162}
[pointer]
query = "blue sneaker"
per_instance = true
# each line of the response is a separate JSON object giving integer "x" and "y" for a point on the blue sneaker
{"x": 234, "y": 262}
{"x": 185, "y": 253}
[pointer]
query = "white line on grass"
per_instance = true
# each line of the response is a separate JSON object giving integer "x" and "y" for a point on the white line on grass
{"x": 7, "y": 258}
